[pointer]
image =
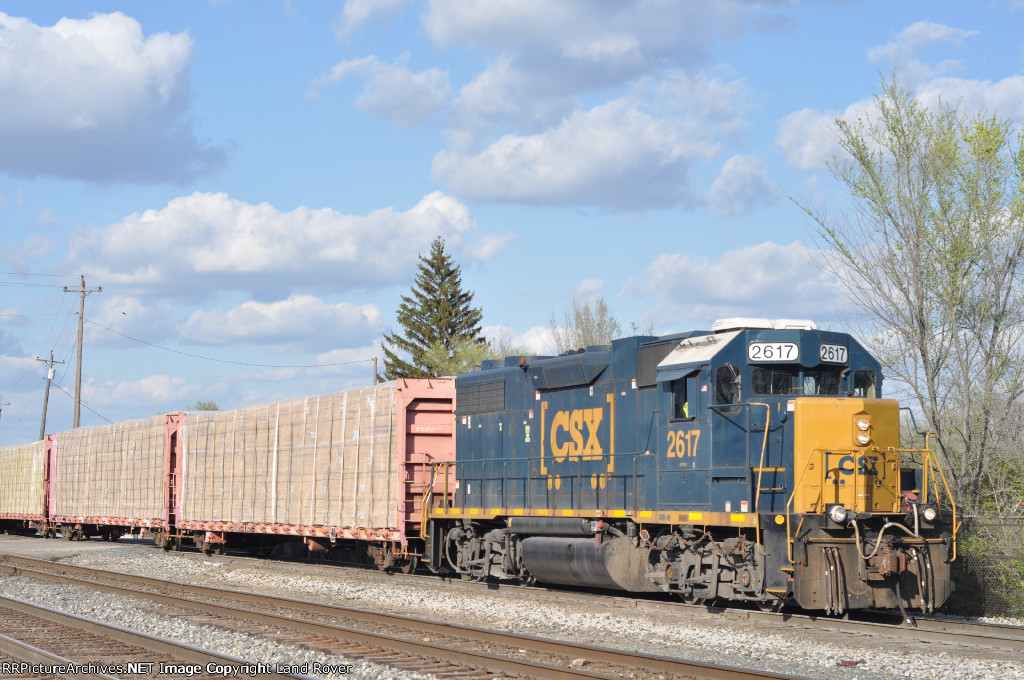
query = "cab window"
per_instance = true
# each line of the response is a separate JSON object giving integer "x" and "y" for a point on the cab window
{"x": 684, "y": 397}
{"x": 728, "y": 387}
{"x": 821, "y": 382}
{"x": 865, "y": 383}
{"x": 771, "y": 381}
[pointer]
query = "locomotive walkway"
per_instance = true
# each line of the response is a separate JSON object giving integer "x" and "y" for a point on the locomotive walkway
{"x": 443, "y": 649}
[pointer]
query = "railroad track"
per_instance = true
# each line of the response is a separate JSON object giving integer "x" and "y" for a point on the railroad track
{"x": 39, "y": 642}
{"x": 443, "y": 649}
{"x": 926, "y": 629}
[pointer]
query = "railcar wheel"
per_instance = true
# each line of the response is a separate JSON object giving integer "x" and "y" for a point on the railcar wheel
{"x": 407, "y": 566}
{"x": 690, "y": 599}
{"x": 771, "y": 605}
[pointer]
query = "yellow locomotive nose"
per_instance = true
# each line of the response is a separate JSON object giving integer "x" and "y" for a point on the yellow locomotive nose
{"x": 846, "y": 453}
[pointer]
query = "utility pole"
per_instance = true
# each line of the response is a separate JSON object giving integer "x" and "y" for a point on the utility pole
{"x": 375, "y": 378}
{"x": 46, "y": 396}
{"x": 83, "y": 291}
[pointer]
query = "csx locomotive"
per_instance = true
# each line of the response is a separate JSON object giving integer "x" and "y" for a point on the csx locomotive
{"x": 756, "y": 461}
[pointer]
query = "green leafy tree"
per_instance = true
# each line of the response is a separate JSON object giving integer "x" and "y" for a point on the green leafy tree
{"x": 204, "y": 406}
{"x": 440, "y": 326}
{"x": 930, "y": 250}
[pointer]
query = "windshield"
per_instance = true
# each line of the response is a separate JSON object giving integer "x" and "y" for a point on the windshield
{"x": 790, "y": 380}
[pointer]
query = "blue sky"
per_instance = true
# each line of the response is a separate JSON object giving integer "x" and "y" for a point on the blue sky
{"x": 251, "y": 182}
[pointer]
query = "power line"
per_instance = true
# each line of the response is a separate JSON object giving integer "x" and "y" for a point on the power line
{"x": 55, "y": 276}
{"x": 226, "y": 361}
{"x": 83, "y": 404}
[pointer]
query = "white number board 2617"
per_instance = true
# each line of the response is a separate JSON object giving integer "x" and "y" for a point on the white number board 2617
{"x": 773, "y": 351}
{"x": 833, "y": 354}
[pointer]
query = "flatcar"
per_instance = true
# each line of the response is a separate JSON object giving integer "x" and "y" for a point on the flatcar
{"x": 755, "y": 462}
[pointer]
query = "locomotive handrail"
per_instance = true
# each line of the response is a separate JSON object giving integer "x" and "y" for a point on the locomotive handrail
{"x": 760, "y": 466}
{"x": 796, "y": 486}
{"x": 930, "y": 460}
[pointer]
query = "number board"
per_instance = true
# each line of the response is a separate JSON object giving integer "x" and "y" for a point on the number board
{"x": 834, "y": 354}
{"x": 773, "y": 351}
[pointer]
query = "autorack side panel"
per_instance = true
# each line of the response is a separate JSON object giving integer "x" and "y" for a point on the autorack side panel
{"x": 110, "y": 475}
{"x": 353, "y": 464}
{"x": 23, "y": 481}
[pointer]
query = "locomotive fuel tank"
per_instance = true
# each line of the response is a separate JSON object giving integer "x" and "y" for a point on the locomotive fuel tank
{"x": 616, "y": 564}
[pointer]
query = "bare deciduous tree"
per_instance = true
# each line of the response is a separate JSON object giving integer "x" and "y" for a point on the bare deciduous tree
{"x": 585, "y": 323}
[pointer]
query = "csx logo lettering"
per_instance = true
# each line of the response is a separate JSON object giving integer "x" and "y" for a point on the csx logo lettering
{"x": 865, "y": 465}
{"x": 574, "y": 434}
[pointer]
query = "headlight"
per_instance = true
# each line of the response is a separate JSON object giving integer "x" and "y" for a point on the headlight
{"x": 837, "y": 513}
{"x": 929, "y": 513}
{"x": 863, "y": 424}
{"x": 863, "y": 438}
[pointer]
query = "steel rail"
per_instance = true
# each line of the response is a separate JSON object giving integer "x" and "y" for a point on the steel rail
{"x": 172, "y": 649}
{"x": 22, "y": 651}
{"x": 658, "y": 664}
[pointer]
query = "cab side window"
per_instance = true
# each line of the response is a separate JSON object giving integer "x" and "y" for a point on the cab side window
{"x": 684, "y": 397}
{"x": 728, "y": 387}
{"x": 865, "y": 383}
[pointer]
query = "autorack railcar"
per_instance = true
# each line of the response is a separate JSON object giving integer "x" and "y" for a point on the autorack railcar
{"x": 756, "y": 461}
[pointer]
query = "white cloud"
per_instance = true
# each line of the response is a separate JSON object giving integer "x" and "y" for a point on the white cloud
{"x": 95, "y": 99}
{"x": 740, "y": 186}
{"x": 1002, "y": 97}
{"x": 116, "y": 316}
{"x": 808, "y": 137}
{"x": 537, "y": 340}
{"x": 299, "y": 323}
{"x": 545, "y": 52}
{"x": 613, "y": 156}
{"x": 763, "y": 280}
{"x": 355, "y": 13}
{"x": 589, "y": 289}
{"x": 393, "y": 91}
{"x": 916, "y": 36}
{"x": 204, "y": 243}
{"x": 160, "y": 392}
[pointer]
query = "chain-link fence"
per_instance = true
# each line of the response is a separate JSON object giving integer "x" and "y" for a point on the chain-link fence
{"x": 989, "y": 570}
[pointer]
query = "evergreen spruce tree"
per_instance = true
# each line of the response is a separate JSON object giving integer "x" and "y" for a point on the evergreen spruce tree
{"x": 440, "y": 327}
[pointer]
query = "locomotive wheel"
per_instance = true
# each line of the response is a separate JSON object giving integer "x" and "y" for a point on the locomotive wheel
{"x": 690, "y": 599}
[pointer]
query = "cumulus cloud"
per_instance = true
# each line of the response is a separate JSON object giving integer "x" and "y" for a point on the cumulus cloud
{"x": 740, "y": 186}
{"x": 95, "y": 99}
{"x": 549, "y": 52}
{"x": 204, "y": 243}
{"x": 355, "y": 13}
{"x": 916, "y": 36}
{"x": 763, "y": 280}
{"x": 614, "y": 156}
{"x": 808, "y": 137}
{"x": 392, "y": 91}
{"x": 302, "y": 322}
{"x": 155, "y": 392}
{"x": 116, "y": 316}
{"x": 537, "y": 340}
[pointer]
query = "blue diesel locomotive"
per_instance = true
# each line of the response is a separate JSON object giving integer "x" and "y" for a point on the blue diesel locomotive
{"x": 756, "y": 461}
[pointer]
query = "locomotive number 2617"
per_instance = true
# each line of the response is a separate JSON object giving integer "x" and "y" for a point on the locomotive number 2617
{"x": 682, "y": 444}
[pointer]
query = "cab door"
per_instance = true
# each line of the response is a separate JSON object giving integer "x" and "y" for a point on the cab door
{"x": 682, "y": 439}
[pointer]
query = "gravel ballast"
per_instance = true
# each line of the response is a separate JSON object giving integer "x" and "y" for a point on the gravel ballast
{"x": 784, "y": 650}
